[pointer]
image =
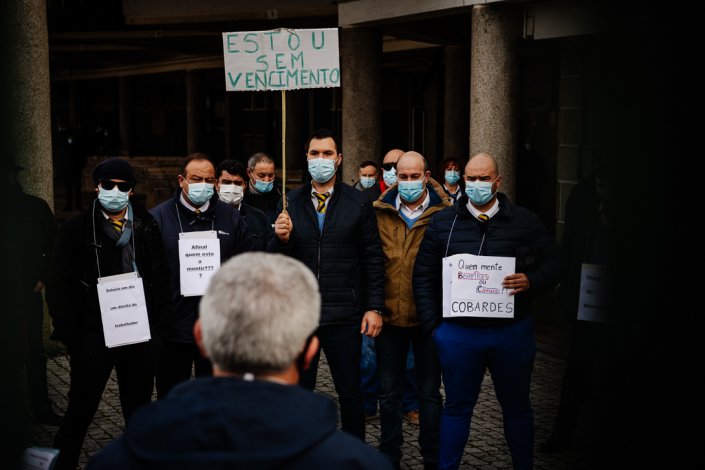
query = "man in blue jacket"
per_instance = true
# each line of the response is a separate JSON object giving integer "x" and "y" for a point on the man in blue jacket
{"x": 194, "y": 208}
{"x": 256, "y": 324}
{"x": 484, "y": 222}
{"x": 332, "y": 229}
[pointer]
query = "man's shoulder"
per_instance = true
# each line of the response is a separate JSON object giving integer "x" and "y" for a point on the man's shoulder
{"x": 352, "y": 194}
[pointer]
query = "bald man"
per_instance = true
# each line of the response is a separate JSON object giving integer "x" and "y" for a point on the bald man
{"x": 484, "y": 222}
{"x": 389, "y": 175}
{"x": 403, "y": 213}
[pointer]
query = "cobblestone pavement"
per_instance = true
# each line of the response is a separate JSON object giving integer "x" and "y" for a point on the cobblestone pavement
{"x": 485, "y": 450}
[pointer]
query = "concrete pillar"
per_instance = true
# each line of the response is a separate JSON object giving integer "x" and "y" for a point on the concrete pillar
{"x": 456, "y": 102}
{"x": 361, "y": 68}
{"x": 492, "y": 87}
{"x": 125, "y": 108}
{"x": 193, "y": 111}
{"x": 30, "y": 105}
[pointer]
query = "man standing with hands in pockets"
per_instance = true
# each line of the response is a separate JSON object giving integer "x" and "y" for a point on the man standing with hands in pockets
{"x": 332, "y": 229}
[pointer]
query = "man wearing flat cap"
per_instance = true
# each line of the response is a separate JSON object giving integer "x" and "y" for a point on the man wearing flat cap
{"x": 113, "y": 242}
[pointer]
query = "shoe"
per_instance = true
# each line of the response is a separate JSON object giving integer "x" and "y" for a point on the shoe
{"x": 558, "y": 442}
{"x": 49, "y": 418}
{"x": 412, "y": 417}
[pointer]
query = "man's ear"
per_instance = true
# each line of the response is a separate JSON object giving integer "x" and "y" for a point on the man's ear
{"x": 310, "y": 352}
{"x": 198, "y": 336}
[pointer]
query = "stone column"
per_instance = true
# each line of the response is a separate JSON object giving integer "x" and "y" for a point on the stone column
{"x": 193, "y": 111}
{"x": 361, "y": 68}
{"x": 29, "y": 102}
{"x": 125, "y": 102}
{"x": 456, "y": 102}
{"x": 492, "y": 88}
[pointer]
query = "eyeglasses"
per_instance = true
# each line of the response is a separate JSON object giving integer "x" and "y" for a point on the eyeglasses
{"x": 108, "y": 185}
{"x": 389, "y": 166}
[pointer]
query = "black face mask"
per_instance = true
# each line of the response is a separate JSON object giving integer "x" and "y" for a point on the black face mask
{"x": 301, "y": 358}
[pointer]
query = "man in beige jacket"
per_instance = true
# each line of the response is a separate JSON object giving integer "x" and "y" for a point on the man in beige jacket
{"x": 403, "y": 212}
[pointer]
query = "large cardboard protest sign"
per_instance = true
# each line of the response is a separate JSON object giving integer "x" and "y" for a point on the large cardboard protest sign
{"x": 281, "y": 59}
{"x": 472, "y": 286}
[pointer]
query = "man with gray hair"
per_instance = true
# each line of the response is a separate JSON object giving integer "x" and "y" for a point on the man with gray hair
{"x": 263, "y": 192}
{"x": 256, "y": 325}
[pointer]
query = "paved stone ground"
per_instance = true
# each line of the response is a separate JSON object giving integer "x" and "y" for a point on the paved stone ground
{"x": 485, "y": 450}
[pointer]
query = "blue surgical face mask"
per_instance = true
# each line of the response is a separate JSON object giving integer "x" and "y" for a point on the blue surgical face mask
{"x": 367, "y": 181}
{"x": 452, "y": 176}
{"x": 389, "y": 176}
{"x": 113, "y": 200}
{"x": 199, "y": 193}
{"x": 479, "y": 192}
{"x": 410, "y": 191}
{"x": 264, "y": 186}
{"x": 321, "y": 169}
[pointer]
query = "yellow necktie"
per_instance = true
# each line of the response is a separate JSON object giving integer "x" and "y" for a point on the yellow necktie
{"x": 321, "y": 201}
{"x": 117, "y": 225}
{"x": 483, "y": 217}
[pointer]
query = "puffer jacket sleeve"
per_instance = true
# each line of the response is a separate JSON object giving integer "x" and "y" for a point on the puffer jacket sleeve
{"x": 427, "y": 278}
{"x": 372, "y": 258}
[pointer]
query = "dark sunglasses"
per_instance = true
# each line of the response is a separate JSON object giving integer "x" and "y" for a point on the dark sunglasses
{"x": 108, "y": 185}
{"x": 389, "y": 166}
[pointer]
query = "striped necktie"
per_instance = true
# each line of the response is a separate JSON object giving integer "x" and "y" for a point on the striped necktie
{"x": 117, "y": 225}
{"x": 197, "y": 212}
{"x": 321, "y": 201}
{"x": 483, "y": 217}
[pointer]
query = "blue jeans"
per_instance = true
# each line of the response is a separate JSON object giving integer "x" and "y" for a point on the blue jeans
{"x": 465, "y": 353}
{"x": 393, "y": 347}
{"x": 342, "y": 345}
{"x": 370, "y": 379}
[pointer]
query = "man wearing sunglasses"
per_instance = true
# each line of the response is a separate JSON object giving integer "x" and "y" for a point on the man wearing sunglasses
{"x": 194, "y": 208}
{"x": 231, "y": 187}
{"x": 389, "y": 175}
{"x": 114, "y": 236}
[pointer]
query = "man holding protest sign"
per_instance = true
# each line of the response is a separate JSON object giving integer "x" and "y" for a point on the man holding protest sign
{"x": 476, "y": 265}
{"x": 200, "y": 232}
{"x": 108, "y": 294}
{"x": 331, "y": 228}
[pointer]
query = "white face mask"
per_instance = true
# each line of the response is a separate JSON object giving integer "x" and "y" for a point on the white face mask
{"x": 231, "y": 193}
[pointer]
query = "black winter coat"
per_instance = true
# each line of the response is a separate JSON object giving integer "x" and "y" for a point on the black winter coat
{"x": 512, "y": 232}
{"x": 258, "y": 226}
{"x": 234, "y": 239}
{"x": 346, "y": 257}
{"x": 71, "y": 290}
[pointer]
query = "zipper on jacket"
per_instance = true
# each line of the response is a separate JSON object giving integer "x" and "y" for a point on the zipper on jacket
{"x": 318, "y": 263}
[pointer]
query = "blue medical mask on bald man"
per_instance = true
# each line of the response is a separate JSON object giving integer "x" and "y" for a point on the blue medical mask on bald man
{"x": 479, "y": 192}
{"x": 410, "y": 191}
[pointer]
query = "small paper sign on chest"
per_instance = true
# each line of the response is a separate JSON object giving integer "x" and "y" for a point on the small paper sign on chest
{"x": 472, "y": 286}
{"x": 199, "y": 259}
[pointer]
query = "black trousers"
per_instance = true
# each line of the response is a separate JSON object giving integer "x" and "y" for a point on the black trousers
{"x": 91, "y": 364}
{"x": 342, "y": 345}
{"x": 35, "y": 360}
{"x": 175, "y": 365}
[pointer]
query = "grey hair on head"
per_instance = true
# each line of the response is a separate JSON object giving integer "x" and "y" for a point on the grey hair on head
{"x": 258, "y": 312}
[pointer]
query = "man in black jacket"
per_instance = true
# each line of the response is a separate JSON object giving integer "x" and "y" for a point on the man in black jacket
{"x": 331, "y": 227}
{"x": 231, "y": 187}
{"x": 113, "y": 236}
{"x": 194, "y": 208}
{"x": 485, "y": 223}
